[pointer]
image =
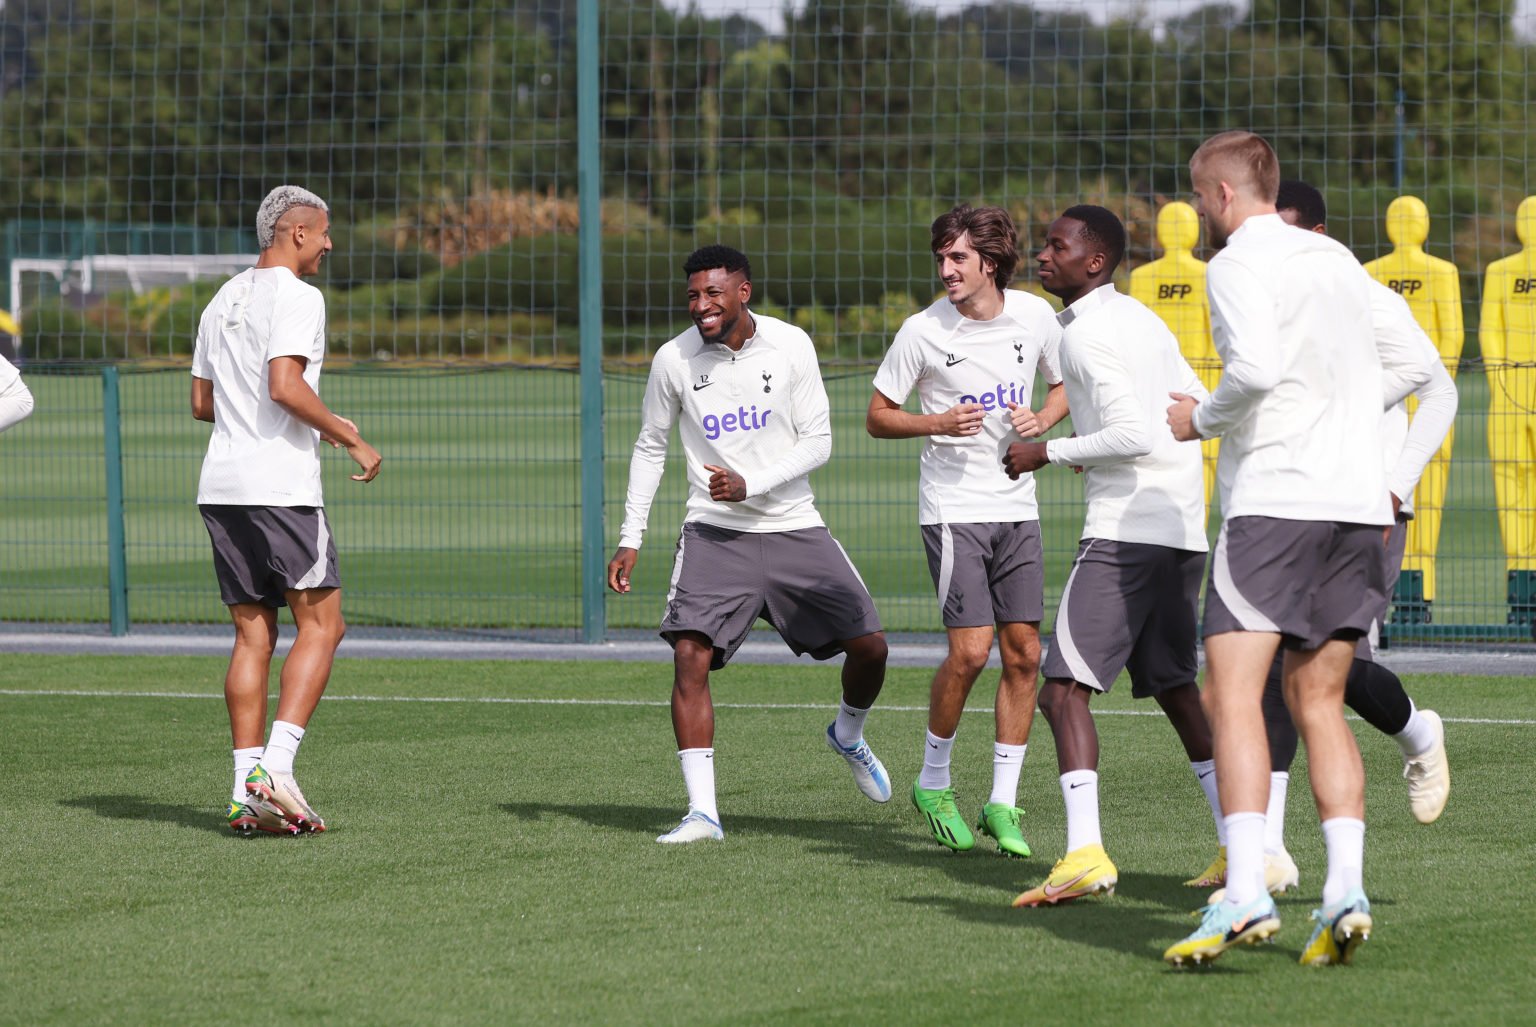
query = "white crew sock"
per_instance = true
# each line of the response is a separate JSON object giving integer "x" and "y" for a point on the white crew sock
{"x": 1345, "y": 838}
{"x": 935, "y": 773}
{"x": 848, "y": 728}
{"x": 1274, "y": 814}
{"x": 1007, "y": 762}
{"x": 1245, "y": 858}
{"x": 1080, "y": 791}
{"x": 699, "y": 779}
{"x": 282, "y": 747}
{"x": 1205, "y": 773}
{"x": 245, "y": 762}
{"x": 1416, "y": 738}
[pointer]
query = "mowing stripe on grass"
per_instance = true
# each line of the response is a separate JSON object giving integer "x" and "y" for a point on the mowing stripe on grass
{"x": 516, "y": 701}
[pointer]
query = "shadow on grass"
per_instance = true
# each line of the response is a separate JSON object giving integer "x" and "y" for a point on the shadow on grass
{"x": 134, "y": 807}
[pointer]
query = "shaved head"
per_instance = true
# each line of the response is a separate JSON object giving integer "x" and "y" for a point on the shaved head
{"x": 1241, "y": 159}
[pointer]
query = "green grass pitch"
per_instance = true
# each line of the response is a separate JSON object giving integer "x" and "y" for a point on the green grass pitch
{"x": 492, "y": 860}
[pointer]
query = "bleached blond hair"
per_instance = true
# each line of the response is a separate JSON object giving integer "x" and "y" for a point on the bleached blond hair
{"x": 279, "y": 202}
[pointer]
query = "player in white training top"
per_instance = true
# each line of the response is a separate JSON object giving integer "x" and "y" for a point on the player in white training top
{"x": 972, "y": 358}
{"x": 1131, "y": 601}
{"x": 255, "y": 376}
{"x": 745, "y": 391}
{"x": 1305, "y": 503}
{"x": 15, "y": 397}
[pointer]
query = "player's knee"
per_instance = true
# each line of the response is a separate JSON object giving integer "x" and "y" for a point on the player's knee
{"x": 968, "y": 661}
{"x": 868, "y": 650}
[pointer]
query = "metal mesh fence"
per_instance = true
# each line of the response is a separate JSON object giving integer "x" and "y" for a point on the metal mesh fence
{"x": 819, "y": 137}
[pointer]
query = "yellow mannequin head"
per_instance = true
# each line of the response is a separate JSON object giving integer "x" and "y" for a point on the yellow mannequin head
{"x": 1407, "y": 221}
{"x": 1178, "y": 227}
{"x": 1525, "y": 221}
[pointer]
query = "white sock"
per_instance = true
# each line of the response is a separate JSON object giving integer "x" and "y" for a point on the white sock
{"x": 1345, "y": 838}
{"x": 935, "y": 774}
{"x": 245, "y": 762}
{"x": 848, "y": 728}
{"x": 282, "y": 747}
{"x": 1245, "y": 857}
{"x": 1205, "y": 773}
{"x": 1416, "y": 738}
{"x": 699, "y": 779}
{"x": 1007, "y": 762}
{"x": 1080, "y": 791}
{"x": 1274, "y": 815}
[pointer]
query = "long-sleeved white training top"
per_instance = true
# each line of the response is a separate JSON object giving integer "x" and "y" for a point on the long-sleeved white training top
{"x": 1306, "y": 377}
{"x": 760, "y": 411}
{"x": 1119, "y": 362}
{"x": 1410, "y": 445}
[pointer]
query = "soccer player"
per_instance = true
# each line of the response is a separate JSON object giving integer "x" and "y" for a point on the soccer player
{"x": 1371, "y": 690}
{"x": 746, "y": 389}
{"x": 255, "y": 375}
{"x": 1131, "y": 599}
{"x": 1305, "y": 499}
{"x": 15, "y": 398}
{"x": 972, "y": 356}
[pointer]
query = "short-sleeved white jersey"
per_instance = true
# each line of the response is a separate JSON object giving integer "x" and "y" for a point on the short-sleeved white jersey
{"x": 259, "y": 454}
{"x": 1119, "y": 362}
{"x": 1300, "y": 402}
{"x": 760, "y": 411}
{"x": 949, "y": 358}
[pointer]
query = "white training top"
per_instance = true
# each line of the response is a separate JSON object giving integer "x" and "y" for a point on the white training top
{"x": 1306, "y": 377}
{"x": 1120, "y": 362}
{"x": 259, "y": 454}
{"x": 8, "y": 372}
{"x": 950, "y": 358}
{"x": 1410, "y": 445}
{"x": 760, "y": 411}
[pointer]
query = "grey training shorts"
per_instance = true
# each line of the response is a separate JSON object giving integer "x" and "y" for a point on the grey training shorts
{"x": 987, "y": 573}
{"x": 1128, "y": 605}
{"x": 260, "y": 553}
{"x": 1310, "y": 581}
{"x": 800, "y": 581}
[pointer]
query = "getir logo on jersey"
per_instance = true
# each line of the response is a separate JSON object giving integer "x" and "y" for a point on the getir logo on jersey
{"x": 742, "y": 419}
{"x": 999, "y": 396}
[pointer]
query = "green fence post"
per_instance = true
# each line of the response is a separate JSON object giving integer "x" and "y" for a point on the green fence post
{"x": 589, "y": 184}
{"x": 117, "y": 561}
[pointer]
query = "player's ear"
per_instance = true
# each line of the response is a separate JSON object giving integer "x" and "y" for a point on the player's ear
{"x": 746, "y": 290}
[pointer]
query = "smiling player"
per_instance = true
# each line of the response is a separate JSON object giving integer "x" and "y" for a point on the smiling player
{"x": 972, "y": 358}
{"x": 746, "y": 390}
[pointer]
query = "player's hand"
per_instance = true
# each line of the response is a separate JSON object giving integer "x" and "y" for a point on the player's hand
{"x": 1025, "y": 421}
{"x": 337, "y": 442}
{"x": 619, "y": 568}
{"x": 961, "y": 420}
{"x": 1397, "y": 505}
{"x": 367, "y": 458}
{"x": 1181, "y": 417}
{"x": 1023, "y": 457}
{"x": 725, "y": 485}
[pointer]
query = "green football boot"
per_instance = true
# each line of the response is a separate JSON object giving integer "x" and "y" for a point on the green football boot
{"x": 937, "y": 805}
{"x": 1001, "y": 822}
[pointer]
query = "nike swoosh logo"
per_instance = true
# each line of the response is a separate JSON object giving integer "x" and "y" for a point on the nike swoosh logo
{"x": 932, "y": 746}
{"x": 1051, "y": 892}
{"x": 706, "y": 385}
{"x": 1207, "y": 774}
{"x": 951, "y": 361}
{"x": 1076, "y": 784}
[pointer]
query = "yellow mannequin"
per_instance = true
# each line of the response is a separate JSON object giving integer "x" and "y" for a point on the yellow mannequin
{"x": 1508, "y": 337}
{"x": 1432, "y": 288}
{"x": 1174, "y": 286}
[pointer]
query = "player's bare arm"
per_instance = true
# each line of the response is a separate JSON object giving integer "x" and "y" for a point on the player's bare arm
{"x": 620, "y": 568}
{"x": 1034, "y": 423}
{"x": 725, "y": 485}
{"x": 289, "y": 390}
{"x": 202, "y": 399}
{"x": 886, "y": 419}
{"x": 1181, "y": 417}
